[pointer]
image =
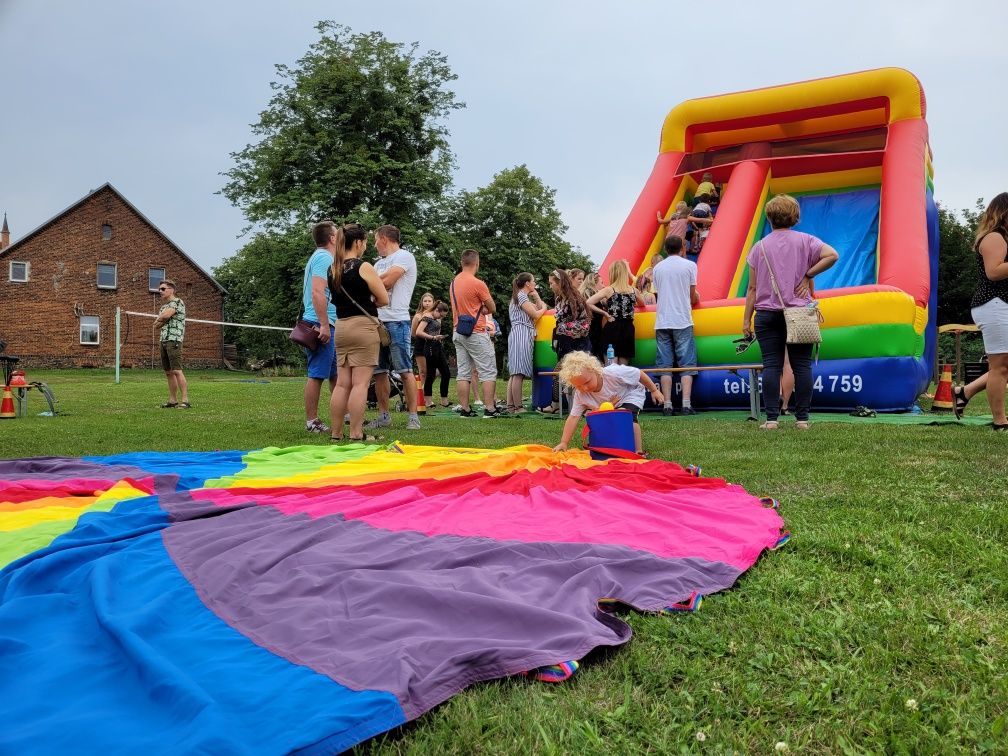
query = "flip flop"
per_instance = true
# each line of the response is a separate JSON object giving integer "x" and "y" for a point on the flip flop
{"x": 548, "y": 410}
{"x": 169, "y": 405}
{"x": 366, "y": 439}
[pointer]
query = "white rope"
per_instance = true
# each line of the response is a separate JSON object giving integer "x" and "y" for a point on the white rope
{"x": 211, "y": 322}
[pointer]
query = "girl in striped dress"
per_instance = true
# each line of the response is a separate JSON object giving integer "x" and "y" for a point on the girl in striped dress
{"x": 524, "y": 309}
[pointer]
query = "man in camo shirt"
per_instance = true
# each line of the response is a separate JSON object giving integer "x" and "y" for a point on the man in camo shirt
{"x": 171, "y": 321}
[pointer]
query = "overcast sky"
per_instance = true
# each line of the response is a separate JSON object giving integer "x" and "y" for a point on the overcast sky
{"x": 153, "y": 96}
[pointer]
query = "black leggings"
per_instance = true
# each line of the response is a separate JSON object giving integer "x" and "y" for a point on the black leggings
{"x": 564, "y": 346}
{"x": 437, "y": 362}
{"x": 771, "y": 333}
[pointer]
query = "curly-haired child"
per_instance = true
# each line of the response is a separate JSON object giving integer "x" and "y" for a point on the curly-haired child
{"x": 593, "y": 384}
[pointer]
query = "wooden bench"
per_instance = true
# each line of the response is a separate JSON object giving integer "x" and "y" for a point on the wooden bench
{"x": 753, "y": 370}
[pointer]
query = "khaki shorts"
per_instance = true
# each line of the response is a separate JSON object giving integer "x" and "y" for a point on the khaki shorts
{"x": 171, "y": 355}
{"x": 356, "y": 342}
{"x": 476, "y": 350}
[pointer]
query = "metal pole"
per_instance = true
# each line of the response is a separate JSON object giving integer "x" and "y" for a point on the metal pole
{"x": 118, "y": 319}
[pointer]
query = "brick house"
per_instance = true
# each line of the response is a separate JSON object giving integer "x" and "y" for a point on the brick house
{"x": 61, "y": 284}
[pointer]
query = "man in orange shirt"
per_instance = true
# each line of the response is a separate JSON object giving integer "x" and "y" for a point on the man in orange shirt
{"x": 471, "y": 299}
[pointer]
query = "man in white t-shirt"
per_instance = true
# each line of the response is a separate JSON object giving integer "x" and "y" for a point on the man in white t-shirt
{"x": 674, "y": 280}
{"x": 398, "y": 271}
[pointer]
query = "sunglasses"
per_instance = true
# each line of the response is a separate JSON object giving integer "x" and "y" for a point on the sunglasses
{"x": 162, "y": 288}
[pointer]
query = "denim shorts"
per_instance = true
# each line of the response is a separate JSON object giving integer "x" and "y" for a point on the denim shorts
{"x": 676, "y": 348}
{"x": 322, "y": 362}
{"x": 399, "y": 353}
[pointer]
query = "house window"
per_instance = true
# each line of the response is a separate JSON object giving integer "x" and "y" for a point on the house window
{"x": 90, "y": 326}
{"x": 154, "y": 278}
{"x": 19, "y": 272}
{"x": 106, "y": 232}
{"x": 106, "y": 275}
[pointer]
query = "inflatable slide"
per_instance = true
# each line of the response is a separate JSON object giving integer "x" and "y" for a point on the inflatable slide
{"x": 853, "y": 150}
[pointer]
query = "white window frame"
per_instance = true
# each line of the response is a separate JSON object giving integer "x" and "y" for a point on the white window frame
{"x": 115, "y": 275}
{"x": 97, "y": 329}
{"x": 27, "y": 271}
{"x": 164, "y": 275}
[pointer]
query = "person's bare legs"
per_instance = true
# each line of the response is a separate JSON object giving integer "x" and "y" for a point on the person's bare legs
{"x": 638, "y": 442}
{"x": 172, "y": 387}
{"x": 687, "y": 388}
{"x": 973, "y": 388}
{"x": 489, "y": 395}
{"x": 381, "y": 389}
{"x": 338, "y": 402}
{"x": 410, "y": 389}
{"x": 183, "y": 386}
{"x": 997, "y": 378}
{"x": 312, "y": 390}
{"x": 666, "y": 386}
{"x": 463, "y": 393}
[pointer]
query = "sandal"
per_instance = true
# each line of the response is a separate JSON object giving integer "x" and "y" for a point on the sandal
{"x": 169, "y": 405}
{"x": 802, "y": 425}
{"x": 1000, "y": 427}
{"x": 550, "y": 409}
{"x": 959, "y": 401}
{"x": 770, "y": 425}
{"x": 365, "y": 439}
{"x": 184, "y": 405}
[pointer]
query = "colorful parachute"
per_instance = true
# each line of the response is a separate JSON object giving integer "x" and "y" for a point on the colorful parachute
{"x": 309, "y": 598}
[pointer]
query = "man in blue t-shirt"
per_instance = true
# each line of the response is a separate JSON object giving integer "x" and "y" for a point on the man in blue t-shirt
{"x": 321, "y": 313}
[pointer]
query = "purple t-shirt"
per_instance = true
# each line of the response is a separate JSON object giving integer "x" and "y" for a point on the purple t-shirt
{"x": 791, "y": 253}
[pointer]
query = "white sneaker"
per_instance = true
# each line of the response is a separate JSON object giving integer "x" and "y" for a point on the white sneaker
{"x": 413, "y": 424}
{"x": 316, "y": 426}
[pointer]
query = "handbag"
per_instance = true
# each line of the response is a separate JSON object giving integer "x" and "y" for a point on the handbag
{"x": 305, "y": 334}
{"x": 384, "y": 337}
{"x": 802, "y": 322}
{"x": 466, "y": 323}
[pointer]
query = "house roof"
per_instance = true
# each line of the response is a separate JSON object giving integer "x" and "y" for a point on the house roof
{"x": 132, "y": 207}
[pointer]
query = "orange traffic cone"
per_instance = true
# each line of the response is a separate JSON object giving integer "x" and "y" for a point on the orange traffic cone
{"x": 7, "y": 405}
{"x": 421, "y": 407}
{"x": 943, "y": 394}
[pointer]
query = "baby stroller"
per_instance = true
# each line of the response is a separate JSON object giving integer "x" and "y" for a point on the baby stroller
{"x": 395, "y": 392}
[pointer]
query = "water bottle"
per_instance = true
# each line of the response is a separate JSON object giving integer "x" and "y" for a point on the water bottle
{"x": 610, "y": 355}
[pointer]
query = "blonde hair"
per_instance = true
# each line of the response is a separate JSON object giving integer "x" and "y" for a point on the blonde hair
{"x": 995, "y": 218}
{"x": 619, "y": 275}
{"x": 591, "y": 284}
{"x": 575, "y": 363}
{"x": 682, "y": 210}
{"x": 782, "y": 211}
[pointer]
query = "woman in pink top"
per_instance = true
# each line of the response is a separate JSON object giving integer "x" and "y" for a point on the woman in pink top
{"x": 795, "y": 258}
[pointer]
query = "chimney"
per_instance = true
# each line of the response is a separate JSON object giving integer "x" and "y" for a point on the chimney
{"x": 4, "y": 235}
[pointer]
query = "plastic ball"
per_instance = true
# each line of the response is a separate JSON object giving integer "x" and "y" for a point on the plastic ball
{"x": 606, "y": 406}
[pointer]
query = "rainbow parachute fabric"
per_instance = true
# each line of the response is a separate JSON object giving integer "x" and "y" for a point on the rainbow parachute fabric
{"x": 306, "y": 599}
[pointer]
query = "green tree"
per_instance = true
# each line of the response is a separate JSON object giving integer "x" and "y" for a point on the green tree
{"x": 514, "y": 224}
{"x": 957, "y": 269}
{"x": 354, "y": 130}
{"x": 263, "y": 280}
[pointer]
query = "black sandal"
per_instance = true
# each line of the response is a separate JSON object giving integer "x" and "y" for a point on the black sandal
{"x": 365, "y": 439}
{"x": 169, "y": 405}
{"x": 184, "y": 405}
{"x": 959, "y": 401}
{"x": 1000, "y": 427}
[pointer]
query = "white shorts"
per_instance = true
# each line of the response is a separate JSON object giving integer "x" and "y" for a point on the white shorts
{"x": 475, "y": 351}
{"x": 992, "y": 319}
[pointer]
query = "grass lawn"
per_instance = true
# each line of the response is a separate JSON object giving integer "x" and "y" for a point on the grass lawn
{"x": 881, "y": 626}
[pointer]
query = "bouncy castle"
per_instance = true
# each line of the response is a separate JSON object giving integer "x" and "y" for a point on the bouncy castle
{"x": 853, "y": 150}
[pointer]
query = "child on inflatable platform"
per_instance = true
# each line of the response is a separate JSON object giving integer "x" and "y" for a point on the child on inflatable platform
{"x": 700, "y": 219}
{"x": 622, "y": 385}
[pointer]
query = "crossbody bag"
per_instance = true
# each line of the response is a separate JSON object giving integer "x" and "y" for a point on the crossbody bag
{"x": 384, "y": 337}
{"x": 466, "y": 323}
{"x": 802, "y": 322}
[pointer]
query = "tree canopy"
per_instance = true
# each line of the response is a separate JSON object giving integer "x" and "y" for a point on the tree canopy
{"x": 957, "y": 270}
{"x": 355, "y": 129}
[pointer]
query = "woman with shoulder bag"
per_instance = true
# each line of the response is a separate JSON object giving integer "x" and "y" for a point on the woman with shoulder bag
{"x": 989, "y": 308}
{"x": 781, "y": 268}
{"x": 357, "y": 293}
{"x": 572, "y": 325}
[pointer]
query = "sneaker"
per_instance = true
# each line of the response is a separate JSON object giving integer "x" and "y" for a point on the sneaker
{"x": 466, "y": 413}
{"x": 379, "y": 422}
{"x": 495, "y": 415}
{"x": 687, "y": 411}
{"x": 413, "y": 424}
{"x": 316, "y": 426}
{"x": 669, "y": 411}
